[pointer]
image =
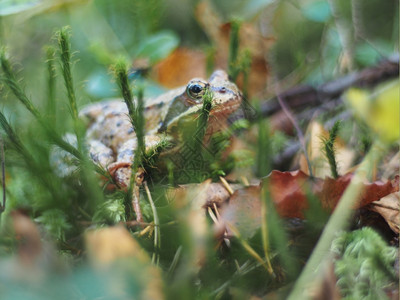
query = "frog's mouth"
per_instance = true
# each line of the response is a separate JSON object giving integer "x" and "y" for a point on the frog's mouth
{"x": 226, "y": 100}
{"x": 220, "y": 111}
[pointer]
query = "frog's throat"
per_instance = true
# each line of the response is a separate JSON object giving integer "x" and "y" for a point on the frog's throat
{"x": 179, "y": 107}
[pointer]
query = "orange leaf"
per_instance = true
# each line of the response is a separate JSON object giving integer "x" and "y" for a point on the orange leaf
{"x": 388, "y": 207}
{"x": 288, "y": 191}
{"x": 180, "y": 66}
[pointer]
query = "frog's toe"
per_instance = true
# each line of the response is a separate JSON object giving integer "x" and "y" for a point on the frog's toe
{"x": 121, "y": 172}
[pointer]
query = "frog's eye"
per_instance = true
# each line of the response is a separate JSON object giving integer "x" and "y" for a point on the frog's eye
{"x": 196, "y": 90}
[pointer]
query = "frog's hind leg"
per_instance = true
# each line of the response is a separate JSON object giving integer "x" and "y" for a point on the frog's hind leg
{"x": 139, "y": 177}
{"x": 121, "y": 172}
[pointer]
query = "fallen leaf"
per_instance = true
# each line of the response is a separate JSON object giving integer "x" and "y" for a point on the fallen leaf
{"x": 319, "y": 163}
{"x": 331, "y": 190}
{"x": 113, "y": 249}
{"x": 244, "y": 211}
{"x": 188, "y": 204}
{"x": 388, "y": 207}
{"x": 107, "y": 245}
{"x": 288, "y": 191}
{"x": 28, "y": 238}
{"x": 378, "y": 108}
{"x": 214, "y": 193}
{"x": 180, "y": 66}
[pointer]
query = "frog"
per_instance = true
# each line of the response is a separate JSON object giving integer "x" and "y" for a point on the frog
{"x": 112, "y": 139}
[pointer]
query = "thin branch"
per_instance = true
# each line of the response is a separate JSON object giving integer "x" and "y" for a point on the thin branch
{"x": 305, "y": 96}
{"x": 292, "y": 119}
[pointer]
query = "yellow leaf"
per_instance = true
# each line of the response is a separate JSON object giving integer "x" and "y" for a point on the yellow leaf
{"x": 319, "y": 163}
{"x": 379, "y": 108}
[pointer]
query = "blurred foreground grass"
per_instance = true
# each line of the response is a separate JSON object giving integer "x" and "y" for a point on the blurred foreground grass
{"x": 48, "y": 244}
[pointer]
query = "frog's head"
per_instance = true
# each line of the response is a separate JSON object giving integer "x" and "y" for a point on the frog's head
{"x": 225, "y": 94}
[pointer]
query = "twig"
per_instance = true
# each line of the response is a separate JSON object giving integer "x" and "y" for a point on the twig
{"x": 305, "y": 96}
{"x": 299, "y": 132}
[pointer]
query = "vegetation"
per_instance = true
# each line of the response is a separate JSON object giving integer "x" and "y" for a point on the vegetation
{"x": 201, "y": 218}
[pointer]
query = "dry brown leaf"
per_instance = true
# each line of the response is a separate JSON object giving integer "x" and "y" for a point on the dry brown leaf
{"x": 188, "y": 204}
{"x": 214, "y": 193}
{"x": 388, "y": 207}
{"x": 288, "y": 192}
{"x": 107, "y": 245}
{"x": 392, "y": 166}
{"x": 244, "y": 211}
{"x": 28, "y": 238}
{"x": 114, "y": 247}
{"x": 331, "y": 190}
{"x": 179, "y": 67}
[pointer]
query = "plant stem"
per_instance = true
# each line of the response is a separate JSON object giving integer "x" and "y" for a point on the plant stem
{"x": 10, "y": 80}
{"x": 234, "y": 50}
{"x": 329, "y": 148}
{"x": 121, "y": 74}
{"x": 201, "y": 127}
{"x": 63, "y": 37}
{"x": 51, "y": 81}
{"x": 264, "y": 157}
{"x": 339, "y": 221}
{"x": 157, "y": 233}
{"x": 292, "y": 119}
{"x": 139, "y": 129}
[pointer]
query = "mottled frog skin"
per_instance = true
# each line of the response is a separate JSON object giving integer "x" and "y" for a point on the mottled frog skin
{"x": 110, "y": 135}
